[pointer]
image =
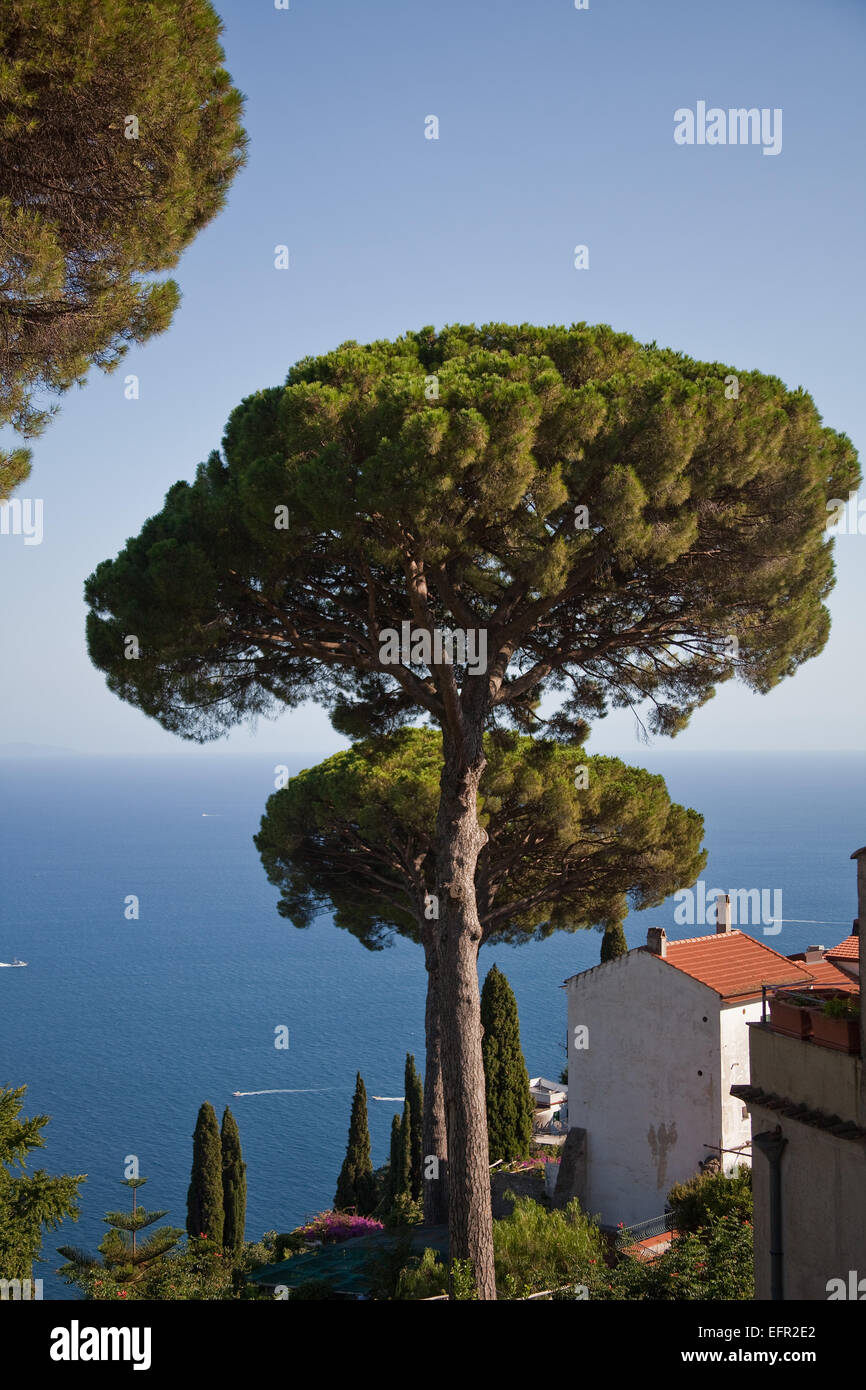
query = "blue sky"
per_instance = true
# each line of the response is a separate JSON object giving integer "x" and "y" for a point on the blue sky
{"x": 555, "y": 129}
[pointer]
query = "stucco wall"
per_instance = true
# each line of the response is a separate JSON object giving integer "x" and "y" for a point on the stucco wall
{"x": 823, "y": 1209}
{"x": 647, "y": 1090}
{"x": 806, "y": 1072}
{"x": 736, "y": 1127}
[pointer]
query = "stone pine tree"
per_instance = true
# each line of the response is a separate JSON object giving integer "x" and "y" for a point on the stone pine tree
{"x": 204, "y": 1202}
{"x": 356, "y": 1186}
{"x": 457, "y": 525}
{"x": 31, "y": 1202}
{"x": 613, "y": 942}
{"x": 572, "y": 840}
{"x": 234, "y": 1183}
{"x": 509, "y": 1102}
{"x": 119, "y": 138}
{"x": 413, "y": 1118}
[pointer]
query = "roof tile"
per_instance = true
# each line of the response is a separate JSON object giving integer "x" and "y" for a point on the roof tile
{"x": 734, "y": 965}
{"x": 849, "y": 948}
{"x": 824, "y": 972}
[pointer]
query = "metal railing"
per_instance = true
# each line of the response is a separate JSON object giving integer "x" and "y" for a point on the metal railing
{"x": 656, "y": 1226}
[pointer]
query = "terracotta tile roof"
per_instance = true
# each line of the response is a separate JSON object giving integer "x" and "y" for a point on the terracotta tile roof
{"x": 824, "y": 972}
{"x": 733, "y": 964}
{"x": 849, "y": 948}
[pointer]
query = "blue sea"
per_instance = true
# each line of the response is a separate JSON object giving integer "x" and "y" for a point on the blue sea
{"x": 121, "y": 1028}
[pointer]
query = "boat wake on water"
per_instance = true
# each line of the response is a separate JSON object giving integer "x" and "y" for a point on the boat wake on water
{"x": 286, "y": 1091}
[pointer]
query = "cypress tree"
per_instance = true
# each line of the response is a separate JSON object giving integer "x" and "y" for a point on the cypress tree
{"x": 413, "y": 1118}
{"x": 356, "y": 1186}
{"x": 395, "y": 1174}
{"x": 405, "y": 1156}
{"x": 613, "y": 943}
{"x": 234, "y": 1183}
{"x": 509, "y": 1103}
{"x": 204, "y": 1202}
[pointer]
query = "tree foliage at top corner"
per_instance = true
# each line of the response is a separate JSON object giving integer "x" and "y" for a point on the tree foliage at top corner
{"x": 119, "y": 138}
{"x": 30, "y": 1201}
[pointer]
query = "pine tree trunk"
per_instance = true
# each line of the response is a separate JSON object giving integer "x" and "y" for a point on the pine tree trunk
{"x": 459, "y": 840}
{"x": 435, "y": 1138}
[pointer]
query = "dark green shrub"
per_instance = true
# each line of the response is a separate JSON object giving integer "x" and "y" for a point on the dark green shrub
{"x": 707, "y": 1196}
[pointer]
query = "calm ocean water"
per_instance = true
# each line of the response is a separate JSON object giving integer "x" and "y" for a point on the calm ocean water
{"x": 120, "y": 1029}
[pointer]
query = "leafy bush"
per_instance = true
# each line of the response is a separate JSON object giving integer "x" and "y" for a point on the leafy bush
{"x": 404, "y": 1211}
{"x": 425, "y": 1279}
{"x": 708, "y": 1196}
{"x": 253, "y": 1254}
{"x": 384, "y": 1269}
{"x": 463, "y": 1281}
{"x": 712, "y": 1263}
{"x": 286, "y": 1244}
{"x": 537, "y": 1249}
{"x": 197, "y": 1272}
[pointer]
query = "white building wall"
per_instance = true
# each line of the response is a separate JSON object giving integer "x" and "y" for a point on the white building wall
{"x": 647, "y": 1089}
{"x": 736, "y": 1124}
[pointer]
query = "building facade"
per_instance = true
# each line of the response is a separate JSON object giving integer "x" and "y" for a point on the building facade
{"x": 657, "y": 1039}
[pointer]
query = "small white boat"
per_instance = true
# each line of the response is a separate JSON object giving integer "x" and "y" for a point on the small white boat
{"x": 11, "y": 964}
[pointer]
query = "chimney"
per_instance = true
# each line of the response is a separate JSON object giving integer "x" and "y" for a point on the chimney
{"x": 723, "y": 914}
{"x": 860, "y": 856}
{"x": 814, "y": 953}
{"x": 657, "y": 941}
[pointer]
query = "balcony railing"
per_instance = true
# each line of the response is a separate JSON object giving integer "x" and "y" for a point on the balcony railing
{"x": 656, "y": 1226}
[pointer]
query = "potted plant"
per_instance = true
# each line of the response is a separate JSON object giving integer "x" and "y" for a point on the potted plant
{"x": 837, "y": 1024}
{"x": 791, "y": 1013}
